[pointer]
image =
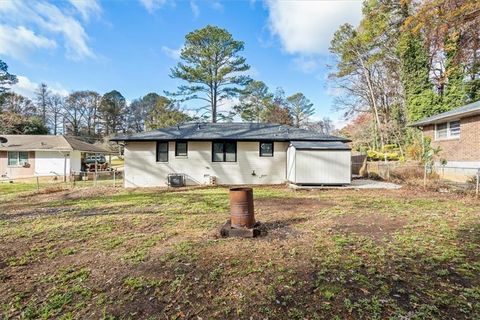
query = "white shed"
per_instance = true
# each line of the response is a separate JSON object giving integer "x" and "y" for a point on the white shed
{"x": 319, "y": 163}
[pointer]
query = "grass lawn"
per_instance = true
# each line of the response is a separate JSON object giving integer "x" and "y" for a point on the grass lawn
{"x": 93, "y": 253}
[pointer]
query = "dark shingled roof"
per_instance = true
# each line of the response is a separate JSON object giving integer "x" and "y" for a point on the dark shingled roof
{"x": 230, "y": 131}
{"x": 320, "y": 145}
{"x": 461, "y": 112}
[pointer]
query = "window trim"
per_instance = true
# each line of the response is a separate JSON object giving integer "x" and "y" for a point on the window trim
{"x": 157, "y": 153}
{"x": 449, "y": 132}
{"x": 260, "y": 149}
{"x": 176, "y": 148}
{"x": 223, "y": 150}
{"x": 18, "y": 165}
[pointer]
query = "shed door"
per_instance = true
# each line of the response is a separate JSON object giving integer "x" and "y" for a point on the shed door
{"x": 323, "y": 166}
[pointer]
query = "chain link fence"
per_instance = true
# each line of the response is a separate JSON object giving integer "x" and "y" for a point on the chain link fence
{"x": 113, "y": 178}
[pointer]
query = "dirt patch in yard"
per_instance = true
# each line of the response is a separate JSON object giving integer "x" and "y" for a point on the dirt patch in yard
{"x": 147, "y": 253}
{"x": 375, "y": 226}
{"x": 288, "y": 205}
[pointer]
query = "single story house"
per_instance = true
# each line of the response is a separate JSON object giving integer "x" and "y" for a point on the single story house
{"x": 26, "y": 156}
{"x": 457, "y": 133}
{"x": 234, "y": 153}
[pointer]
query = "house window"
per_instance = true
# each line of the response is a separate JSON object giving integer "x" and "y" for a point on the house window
{"x": 454, "y": 129}
{"x": 447, "y": 130}
{"x": 17, "y": 158}
{"x": 266, "y": 149}
{"x": 224, "y": 152}
{"x": 162, "y": 151}
{"x": 181, "y": 148}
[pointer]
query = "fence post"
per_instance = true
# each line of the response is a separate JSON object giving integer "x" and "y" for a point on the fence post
{"x": 478, "y": 183}
{"x": 114, "y": 178}
{"x": 96, "y": 170}
{"x": 38, "y": 185}
{"x": 425, "y": 176}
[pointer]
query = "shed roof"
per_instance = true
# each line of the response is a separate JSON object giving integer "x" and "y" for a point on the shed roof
{"x": 320, "y": 145}
{"x": 48, "y": 143}
{"x": 461, "y": 112}
{"x": 230, "y": 131}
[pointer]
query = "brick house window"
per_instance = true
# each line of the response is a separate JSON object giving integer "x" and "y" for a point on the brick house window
{"x": 447, "y": 130}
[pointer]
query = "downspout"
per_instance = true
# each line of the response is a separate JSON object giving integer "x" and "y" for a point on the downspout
{"x": 65, "y": 168}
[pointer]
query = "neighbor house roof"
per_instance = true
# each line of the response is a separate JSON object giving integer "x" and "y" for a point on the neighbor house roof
{"x": 461, "y": 112}
{"x": 320, "y": 145}
{"x": 48, "y": 143}
{"x": 230, "y": 131}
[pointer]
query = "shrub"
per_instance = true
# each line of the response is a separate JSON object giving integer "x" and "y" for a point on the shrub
{"x": 414, "y": 151}
{"x": 379, "y": 156}
{"x": 472, "y": 183}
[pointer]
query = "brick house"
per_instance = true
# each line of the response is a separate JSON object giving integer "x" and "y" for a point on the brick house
{"x": 457, "y": 133}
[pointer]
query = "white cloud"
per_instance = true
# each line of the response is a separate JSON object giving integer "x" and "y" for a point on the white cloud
{"x": 306, "y": 64}
{"x": 14, "y": 41}
{"x": 216, "y": 5}
{"x": 306, "y": 27}
{"x": 172, "y": 53}
{"x": 152, "y": 5}
{"x": 73, "y": 33}
{"x": 41, "y": 17}
{"x": 27, "y": 88}
{"x": 87, "y": 8}
{"x": 195, "y": 8}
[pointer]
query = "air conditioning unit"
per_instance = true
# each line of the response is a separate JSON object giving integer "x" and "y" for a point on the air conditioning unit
{"x": 176, "y": 180}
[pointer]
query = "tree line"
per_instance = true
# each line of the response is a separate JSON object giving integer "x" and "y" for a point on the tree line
{"x": 405, "y": 61}
{"x": 214, "y": 74}
{"x": 83, "y": 113}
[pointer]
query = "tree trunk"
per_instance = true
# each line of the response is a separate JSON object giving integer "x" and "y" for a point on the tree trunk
{"x": 372, "y": 97}
{"x": 214, "y": 106}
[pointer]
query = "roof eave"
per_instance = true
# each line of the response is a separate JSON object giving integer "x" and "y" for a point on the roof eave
{"x": 345, "y": 140}
{"x": 456, "y": 116}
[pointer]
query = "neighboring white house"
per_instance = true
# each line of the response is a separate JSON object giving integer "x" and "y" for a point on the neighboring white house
{"x": 235, "y": 153}
{"x": 24, "y": 156}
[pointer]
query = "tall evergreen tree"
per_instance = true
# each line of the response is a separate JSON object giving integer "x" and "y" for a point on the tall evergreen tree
{"x": 164, "y": 114}
{"x": 42, "y": 99}
{"x": 6, "y": 79}
{"x": 211, "y": 64}
{"x": 301, "y": 109}
{"x": 112, "y": 112}
{"x": 253, "y": 101}
{"x": 455, "y": 91}
{"x": 420, "y": 98}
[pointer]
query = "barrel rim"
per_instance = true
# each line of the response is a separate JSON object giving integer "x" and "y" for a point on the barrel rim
{"x": 240, "y": 189}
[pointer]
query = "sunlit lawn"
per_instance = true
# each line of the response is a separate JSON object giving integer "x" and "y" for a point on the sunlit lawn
{"x": 150, "y": 253}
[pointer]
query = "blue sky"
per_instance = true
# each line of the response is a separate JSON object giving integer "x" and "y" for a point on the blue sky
{"x": 130, "y": 45}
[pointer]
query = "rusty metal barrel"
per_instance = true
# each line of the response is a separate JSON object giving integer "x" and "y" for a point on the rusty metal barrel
{"x": 241, "y": 208}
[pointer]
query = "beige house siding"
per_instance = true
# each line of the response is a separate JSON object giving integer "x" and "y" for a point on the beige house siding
{"x": 464, "y": 148}
{"x": 17, "y": 172}
{"x": 142, "y": 170}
